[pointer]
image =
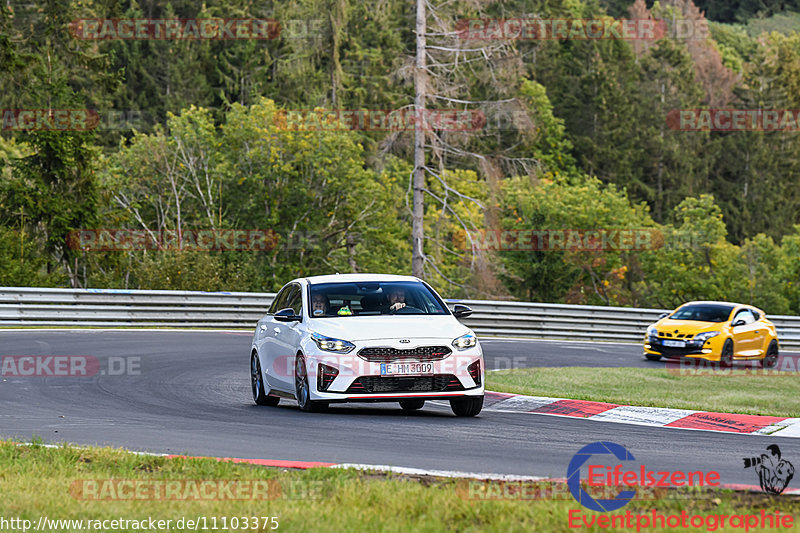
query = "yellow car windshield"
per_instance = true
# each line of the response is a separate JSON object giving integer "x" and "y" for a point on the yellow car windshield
{"x": 703, "y": 313}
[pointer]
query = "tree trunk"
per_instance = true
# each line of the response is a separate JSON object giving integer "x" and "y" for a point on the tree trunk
{"x": 350, "y": 241}
{"x": 418, "y": 186}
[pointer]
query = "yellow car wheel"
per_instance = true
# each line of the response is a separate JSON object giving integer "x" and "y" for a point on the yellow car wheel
{"x": 771, "y": 357}
{"x": 726, "y": 357}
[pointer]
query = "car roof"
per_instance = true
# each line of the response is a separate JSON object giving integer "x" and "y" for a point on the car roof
{"x": 350, "y": 278}
{"x": 715, "y": 302}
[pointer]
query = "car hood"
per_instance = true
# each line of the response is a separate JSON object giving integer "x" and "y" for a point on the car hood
{"x": 367, "y": 328}
{"x": 687, "y": 326}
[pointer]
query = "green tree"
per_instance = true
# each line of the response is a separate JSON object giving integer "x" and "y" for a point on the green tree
{"x": 789, "y": 269}
{"x": 756, "y": 190}
{"x": 309, "y": 187}
{"x": 581, "y": 275}
{"x": 695, "y": 262}
{"x": 53, "y": 191}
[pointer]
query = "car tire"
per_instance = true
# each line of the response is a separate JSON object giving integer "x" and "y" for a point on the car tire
{"x": 257, "y": 384}
{"x": 726, "y": 356}
{"x": 651, "y": 357}
{"x": 771, "y": 357}
{"x": 412, "y": 405}
{"x": 467, "y": 406}
{"x": 302, "y": 388}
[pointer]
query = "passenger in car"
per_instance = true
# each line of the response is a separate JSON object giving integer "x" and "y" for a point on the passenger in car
{"x": 319, "y": 305}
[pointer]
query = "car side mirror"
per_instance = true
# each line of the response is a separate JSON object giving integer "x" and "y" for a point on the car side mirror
{"x": 287, "y": 315}
{"x": 461, "y": 311}
{"x": 662, "y": 315}
{"x": 737, "y": 323}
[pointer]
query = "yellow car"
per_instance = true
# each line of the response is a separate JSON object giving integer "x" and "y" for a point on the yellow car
{"x": 715, "y": 331}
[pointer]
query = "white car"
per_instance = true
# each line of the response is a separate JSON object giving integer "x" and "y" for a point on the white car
{"x": 365, "y": 338}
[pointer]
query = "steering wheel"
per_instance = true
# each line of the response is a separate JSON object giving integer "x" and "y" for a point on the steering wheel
{"x": 409, "y": 309}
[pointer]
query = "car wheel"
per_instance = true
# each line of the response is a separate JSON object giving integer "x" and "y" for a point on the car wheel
{"x": 467, "y": 406}
{"x": 651, "y": 357}
{"x": 726, "y": 357}
{"x": 257, "y": 384}
{"x": 771, "y": 357}
{"x": 303, "y": 389}
{"x": 412, "y": 405}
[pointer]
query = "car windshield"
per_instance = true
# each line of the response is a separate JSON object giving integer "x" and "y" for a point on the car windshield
{"x": 703, "y": 313}
{"x": 373, "y": 298}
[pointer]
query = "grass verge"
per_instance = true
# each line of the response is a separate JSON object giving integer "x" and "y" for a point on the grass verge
{"x": 56, "y": 483}
{"x": 735, "y": 391}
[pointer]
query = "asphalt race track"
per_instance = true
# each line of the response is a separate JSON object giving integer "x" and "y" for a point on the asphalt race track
{"x": 189, "y": 393}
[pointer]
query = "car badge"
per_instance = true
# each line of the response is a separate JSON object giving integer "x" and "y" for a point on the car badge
{"x": 404, "y": 341}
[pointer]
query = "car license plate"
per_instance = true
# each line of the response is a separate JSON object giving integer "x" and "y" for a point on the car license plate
{"x": 406, "y": 369}
{"x": 675, "y": 344}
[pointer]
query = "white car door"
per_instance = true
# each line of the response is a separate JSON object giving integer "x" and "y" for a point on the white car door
{"x": 268, "y": 333}
{"x": 287, "y": 341}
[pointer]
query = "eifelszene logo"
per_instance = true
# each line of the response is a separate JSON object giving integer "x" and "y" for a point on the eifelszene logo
{"x": 774, "y": 473}
{"x": 574, "y": 477}
{"x": 600, "y": 475}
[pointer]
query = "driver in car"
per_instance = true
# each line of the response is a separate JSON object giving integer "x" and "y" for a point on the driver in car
{"x": 397, "y": 298}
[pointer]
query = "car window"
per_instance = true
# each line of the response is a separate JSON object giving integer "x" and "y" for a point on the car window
{"x": 295, "y": 300}
{"x": 703, "y": 312}
{"x": 280, "y": 300}
{"x": 374, "y": 298}
{"x": 744, "y": 314}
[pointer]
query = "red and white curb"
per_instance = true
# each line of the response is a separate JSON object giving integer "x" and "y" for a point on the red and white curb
{"x": 775, "y": 426}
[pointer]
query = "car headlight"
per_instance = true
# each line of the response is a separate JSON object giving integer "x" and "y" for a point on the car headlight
{"x": 332, "y": 345}
{"x": 465, "y": 341}
{"x": 651, "y": 332}
{"x": 703, "y": 337}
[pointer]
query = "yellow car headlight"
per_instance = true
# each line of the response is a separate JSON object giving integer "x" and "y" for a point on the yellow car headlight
{"x": 703, "y": 337}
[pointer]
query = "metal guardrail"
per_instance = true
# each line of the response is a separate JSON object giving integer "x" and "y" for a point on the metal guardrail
{"x": 25, "y": 306}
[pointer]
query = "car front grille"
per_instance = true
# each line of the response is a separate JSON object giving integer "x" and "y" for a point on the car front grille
{"x": 668, "y": 351}
{"x": 675, "y": 335}
{"x": 378, "y": 384}
{"x": 386, "y": 354}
